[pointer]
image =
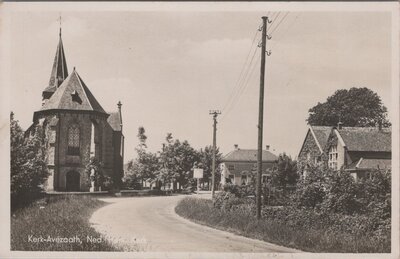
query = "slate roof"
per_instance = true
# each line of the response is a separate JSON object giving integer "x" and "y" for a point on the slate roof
{"x": 115, "y": 121}
{"x": 366, "y": 139}
{"x": 370, "y": 163}
{"x": 73, "y": 94}
{"x": 248, "y": 155}
{"x": 59, "y": 71}
{"x": 321, "y": 134}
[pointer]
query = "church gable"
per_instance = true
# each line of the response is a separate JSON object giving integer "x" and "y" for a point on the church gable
{"x": 73, "y": 94}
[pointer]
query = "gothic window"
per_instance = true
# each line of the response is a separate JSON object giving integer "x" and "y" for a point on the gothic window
{"x": 333, "y": 157}
{"x": 73, "y": 140}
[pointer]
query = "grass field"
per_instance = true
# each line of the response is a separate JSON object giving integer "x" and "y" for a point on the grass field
{"x": 273, "y": 230}
{"x": 62, "y": 224}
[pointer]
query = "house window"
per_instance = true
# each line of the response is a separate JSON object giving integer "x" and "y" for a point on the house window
{"x": 73, "y": 140}
{"x": 231, "y": 167}
{"x": 333, "y": 157}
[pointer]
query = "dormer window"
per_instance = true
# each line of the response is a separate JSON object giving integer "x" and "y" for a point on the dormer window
{"x": 333, "y": 158}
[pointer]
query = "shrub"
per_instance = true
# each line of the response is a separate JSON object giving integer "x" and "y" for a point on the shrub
{"x": 310, "y": 191}
{"x": 239, "y": 191}
{"x": 305, "y": 229}
{"x": 340, "y": 193}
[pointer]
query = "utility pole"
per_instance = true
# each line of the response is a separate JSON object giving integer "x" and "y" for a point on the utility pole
{"x": 261, "y": 113}
{"x": 215, "y": 114}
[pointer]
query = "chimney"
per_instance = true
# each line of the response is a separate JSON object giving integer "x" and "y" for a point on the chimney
{"x": 236, "y": 146}
{"x": 339, "y": 125}
{"x": 267, "y": 147}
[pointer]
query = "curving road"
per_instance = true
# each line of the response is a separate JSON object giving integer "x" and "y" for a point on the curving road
{"x": 150, "y": 224}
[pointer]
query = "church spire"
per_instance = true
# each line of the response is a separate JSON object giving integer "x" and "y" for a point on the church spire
{"x": 59, "y": 71}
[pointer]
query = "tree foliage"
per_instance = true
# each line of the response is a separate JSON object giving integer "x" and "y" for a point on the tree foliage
{"x": 173, "y": 164}
{"x": 145, "y": 166}
{"x": 28, "y": 163}
{"x": 337, "y": 192}
{"x": 206, "y": 157}
{"x": 284, "y": 171}
{"x": 178, "y": 159}
{"x": 356, "y": 107}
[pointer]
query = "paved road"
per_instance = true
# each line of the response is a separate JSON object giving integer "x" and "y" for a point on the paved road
{"x": 150, "y": 224}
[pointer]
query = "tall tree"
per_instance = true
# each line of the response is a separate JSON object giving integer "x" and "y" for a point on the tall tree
{"x": 28, "y": 163}
{"x": 177, "y": 160}
{"x": 146, "y": 165}
{"x": 357, "y": 107}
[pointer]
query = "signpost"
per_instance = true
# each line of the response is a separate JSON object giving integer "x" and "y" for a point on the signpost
{"x": 198, "y": 174}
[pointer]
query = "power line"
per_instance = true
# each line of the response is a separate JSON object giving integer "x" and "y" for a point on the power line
{"x": 240, "y": 82}
{"x": 242, "y": 85}
{"x": 276, "y": 27}
{"x": 241, "y": 73}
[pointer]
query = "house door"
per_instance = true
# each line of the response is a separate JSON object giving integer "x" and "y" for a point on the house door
{"x": 73, "y": 181}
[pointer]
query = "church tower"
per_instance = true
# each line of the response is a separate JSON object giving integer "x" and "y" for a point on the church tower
{"x": 78, "y": 129}
{"x": 58, "y": 73}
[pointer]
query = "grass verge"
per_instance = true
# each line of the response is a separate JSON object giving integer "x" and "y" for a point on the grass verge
{"x": 275, "y": 231}
{"x": 62, "y": 224}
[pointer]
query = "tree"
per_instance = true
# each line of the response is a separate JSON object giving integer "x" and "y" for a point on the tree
{"x": 146, "y": 165}
{"x": 357, "y": 107}
{"x": 284, "y": 172}
{"x": 206, "y": 156}
{"x": 177, "y": 160}
{"x": 28, "y": 163}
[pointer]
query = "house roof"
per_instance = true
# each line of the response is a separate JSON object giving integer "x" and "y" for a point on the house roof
{"x": 59, "y": 71}
{"x": 115, "y": 121}
{"x": 248, "y": 155}
{"x": 73, "y": 94}
{"x": 321, "y": 135}
{"x": 370, "y": 163}
{"x": 366, "y": 139}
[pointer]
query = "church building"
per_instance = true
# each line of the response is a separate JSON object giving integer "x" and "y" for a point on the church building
{"x": 76, "y": 129}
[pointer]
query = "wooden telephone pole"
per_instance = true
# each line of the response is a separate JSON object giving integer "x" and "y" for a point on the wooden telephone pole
{"x": 261, "y": 115}
{"x": 215, "y": 114}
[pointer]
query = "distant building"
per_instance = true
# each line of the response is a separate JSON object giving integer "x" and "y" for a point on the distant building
{"x": 77, "y": 128}
{"x": 237, "y": 166}
{"x": 358, "y": 150}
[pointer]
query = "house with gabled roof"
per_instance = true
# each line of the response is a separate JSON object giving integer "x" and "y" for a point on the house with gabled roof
{"x": 313, "y": 149}
{"x": 238, "y": 165}
{"x": 359, "y": 150}
{"x": 77, "y": 128}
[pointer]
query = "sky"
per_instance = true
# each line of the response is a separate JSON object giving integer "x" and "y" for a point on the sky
{"x": 170, "y": 68}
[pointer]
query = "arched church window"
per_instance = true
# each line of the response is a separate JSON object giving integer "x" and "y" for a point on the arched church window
{"x": 73, "y": 140}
